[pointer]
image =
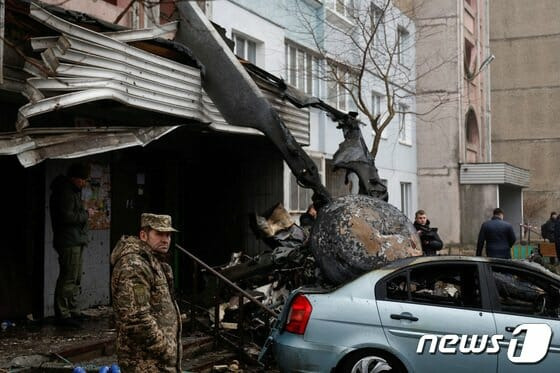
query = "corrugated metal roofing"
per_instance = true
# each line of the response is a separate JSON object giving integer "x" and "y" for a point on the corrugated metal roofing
{"x": 493, "y": 173}
{"x": 80, "y": 66}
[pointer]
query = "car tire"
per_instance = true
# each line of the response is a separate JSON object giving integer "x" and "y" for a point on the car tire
{"x": 367, "y": 361}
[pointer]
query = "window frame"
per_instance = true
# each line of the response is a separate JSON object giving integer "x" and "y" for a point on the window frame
{"x": 342, "y": 99}
{"x": 403, "y": 37}
{"x": 485, "y": 299}
{"x": 320, "y": 162}
{"x": 346, "y": 6}
{"x": 150, "y": 11}
{"x": 404, "y": 125}
{"x": 376, "y": 109}
{"x": 494, "y": 292}
{"x": 246, "y": 41}
{"x": 376, "y": 16}
{"x": 302, "y": 68}
{"x": 406, "y": 197}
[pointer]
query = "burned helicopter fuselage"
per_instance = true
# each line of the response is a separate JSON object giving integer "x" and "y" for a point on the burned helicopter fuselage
{"x": 241, "y": 103}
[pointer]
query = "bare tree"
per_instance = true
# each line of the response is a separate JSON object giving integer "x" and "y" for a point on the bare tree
{"x": 365, "y": 46}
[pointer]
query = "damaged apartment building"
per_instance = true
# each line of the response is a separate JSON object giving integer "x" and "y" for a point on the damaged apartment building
{"x": 106, "y": 84}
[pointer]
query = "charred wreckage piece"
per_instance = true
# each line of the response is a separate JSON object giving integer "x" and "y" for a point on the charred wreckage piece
{"x": 353, "y": 234}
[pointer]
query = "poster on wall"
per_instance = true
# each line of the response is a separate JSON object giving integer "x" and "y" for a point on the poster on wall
{"x": 97, "y": 195}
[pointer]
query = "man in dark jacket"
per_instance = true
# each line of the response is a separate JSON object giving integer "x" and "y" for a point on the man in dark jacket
{"x": 547, "y": 229}
{"x": 556, "y": 238}
{"x": 431, "y": 242}
{"x": 498, "y": 235}
{"x": 69, "y": 223}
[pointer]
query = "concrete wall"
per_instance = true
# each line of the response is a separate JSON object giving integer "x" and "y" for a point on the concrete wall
{"x": 525, "y": 96}
{"x": 445, "y": 95}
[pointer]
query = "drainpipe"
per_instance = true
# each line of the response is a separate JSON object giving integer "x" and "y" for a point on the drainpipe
{"x": 460, "y": 79}
{"x": 488, "y": 86}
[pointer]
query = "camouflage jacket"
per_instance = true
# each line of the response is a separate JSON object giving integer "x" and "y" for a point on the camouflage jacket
{"x": 147, "y": 317}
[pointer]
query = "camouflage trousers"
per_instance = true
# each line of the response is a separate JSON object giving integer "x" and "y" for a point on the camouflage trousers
{"x": 68, "y": 282}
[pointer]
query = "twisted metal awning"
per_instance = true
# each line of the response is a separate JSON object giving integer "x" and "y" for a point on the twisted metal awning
{"x": 80, "y": 66}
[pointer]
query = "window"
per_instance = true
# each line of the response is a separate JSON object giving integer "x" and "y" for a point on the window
{"x": 343, "y": 7}
{"x": 437, "y": 284}
{"x": 405, "y": 130}
{"x": 302, "y": 69}
{"x": 375, "y": 104}
{"x": 406, "y": 198}
{"x": 300, "y": 198}
{"x": 470, "y": 58}
{"x": 376, "y": 109}
{"x": 151, "y": 13}
{"x": 397, "y": 287}
{"x": 337, "y": 93}
{"x": 526, "y": 294}
{"x": 403, "y": 40}
{"x": 376, "y": 15}
{"x": 246, "y": 49}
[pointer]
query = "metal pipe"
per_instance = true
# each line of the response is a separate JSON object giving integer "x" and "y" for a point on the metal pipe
{"x": 240, "y": 328}
{"x": 194, "y": 295}
{"x": 217, "y": 312}
{"x": 227, "y": 281}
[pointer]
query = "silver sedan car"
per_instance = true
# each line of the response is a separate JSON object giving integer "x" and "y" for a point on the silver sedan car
{"x": 426, "y": 314}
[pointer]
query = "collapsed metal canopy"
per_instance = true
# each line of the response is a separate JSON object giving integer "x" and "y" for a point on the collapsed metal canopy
{"x": 81, "y": 66}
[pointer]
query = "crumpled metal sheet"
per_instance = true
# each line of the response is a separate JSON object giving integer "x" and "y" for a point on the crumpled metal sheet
{"x": 355, "y": 234}
{"x": 32, "y": 148}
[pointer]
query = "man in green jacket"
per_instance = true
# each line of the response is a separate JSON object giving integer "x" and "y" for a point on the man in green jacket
{"x": 69, "y": 223}
{"x": 147, "y": 317}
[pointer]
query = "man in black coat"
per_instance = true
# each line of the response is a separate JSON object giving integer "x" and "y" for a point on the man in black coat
{"x": 556, "y": 238}
{"x": 498, "y": 235}
{"x": 430, "y": 240}
{"x": 547, "y": 229}
{"x": 69, "y": 223}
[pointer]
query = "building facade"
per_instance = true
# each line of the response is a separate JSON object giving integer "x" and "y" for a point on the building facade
{"x": 459, "y": 186}
{"x": 525, "y": 93}
{"x": 294, "y": 40}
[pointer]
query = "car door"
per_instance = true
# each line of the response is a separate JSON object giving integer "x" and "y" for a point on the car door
{"x": 521, "y": 297}
{"x": 437, "y": 299}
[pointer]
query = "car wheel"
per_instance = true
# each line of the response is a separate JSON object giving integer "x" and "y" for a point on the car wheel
{"x": 370, "y": 361}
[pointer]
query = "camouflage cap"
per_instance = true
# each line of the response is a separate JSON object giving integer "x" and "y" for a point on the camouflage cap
{"x": 160, "y": 223}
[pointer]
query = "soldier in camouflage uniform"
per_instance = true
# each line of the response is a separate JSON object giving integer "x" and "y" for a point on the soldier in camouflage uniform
{"x": 147, "y": 316}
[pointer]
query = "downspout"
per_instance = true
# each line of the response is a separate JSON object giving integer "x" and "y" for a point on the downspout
{"x": 488, "y": 84}
{"x": 460, "y": 80}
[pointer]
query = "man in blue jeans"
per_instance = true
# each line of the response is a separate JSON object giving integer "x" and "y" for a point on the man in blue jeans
{"x": 498, "y": 235}
{"x": 69, "y": 222}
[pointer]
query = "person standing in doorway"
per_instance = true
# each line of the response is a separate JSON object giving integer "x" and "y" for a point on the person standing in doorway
{"x": 147, "y": 316}
{"x": 69, "y": 224}
{"x": 498, "y": 235}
